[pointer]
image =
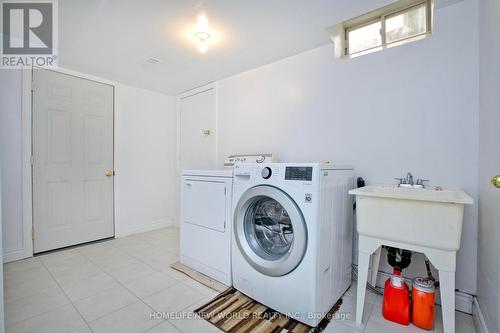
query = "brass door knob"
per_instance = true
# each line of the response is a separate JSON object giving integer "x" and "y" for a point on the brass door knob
{"x": 495, "y": 180}
{"x": 109, "y": 173}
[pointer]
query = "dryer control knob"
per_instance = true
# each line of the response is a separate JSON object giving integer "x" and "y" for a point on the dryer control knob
{"x": 266, "y": 173}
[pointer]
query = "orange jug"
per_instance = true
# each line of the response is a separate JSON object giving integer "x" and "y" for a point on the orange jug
{"x": 423, "y": 295}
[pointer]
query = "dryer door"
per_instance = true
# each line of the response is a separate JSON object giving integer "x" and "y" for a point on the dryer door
{"x": 270, "y": 230}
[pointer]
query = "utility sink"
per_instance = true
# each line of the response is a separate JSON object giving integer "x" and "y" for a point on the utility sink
{"x": 419, "y": 216}
{"x": 417, "y": 219}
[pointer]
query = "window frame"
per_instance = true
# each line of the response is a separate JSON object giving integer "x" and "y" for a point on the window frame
{"x": 381, "y": 15}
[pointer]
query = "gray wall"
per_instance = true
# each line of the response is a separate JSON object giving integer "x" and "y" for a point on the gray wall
{"x": 2, "y": 321}
{"x": 11, "y": 159}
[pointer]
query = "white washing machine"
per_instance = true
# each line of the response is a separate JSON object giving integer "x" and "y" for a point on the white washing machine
{"x": 292, "y": 236}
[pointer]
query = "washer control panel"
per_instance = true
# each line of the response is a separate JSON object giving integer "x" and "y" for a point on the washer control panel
{"x": 299, "y": 173}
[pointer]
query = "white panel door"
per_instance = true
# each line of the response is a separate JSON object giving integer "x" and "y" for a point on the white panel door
{"x": 197, "y": 131}
{"x": 489, "y": 202}
{"x": 72, "y": 152}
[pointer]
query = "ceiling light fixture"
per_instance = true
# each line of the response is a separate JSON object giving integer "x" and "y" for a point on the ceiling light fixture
{"x": 202, "y": 34}
{"x": 202, "y": 41}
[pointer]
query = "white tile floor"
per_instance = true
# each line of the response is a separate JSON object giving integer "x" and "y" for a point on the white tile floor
{"x": 115, "y": 286}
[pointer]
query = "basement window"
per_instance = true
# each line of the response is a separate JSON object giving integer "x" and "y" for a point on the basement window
{"x": 396, "y": 24}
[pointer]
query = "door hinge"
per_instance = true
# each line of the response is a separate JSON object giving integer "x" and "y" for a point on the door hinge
{"x": 32, "y": 160}
{"x": 32, "y": 233}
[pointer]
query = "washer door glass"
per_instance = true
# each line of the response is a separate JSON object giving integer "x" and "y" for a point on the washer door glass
{"x": 268, "y": 228}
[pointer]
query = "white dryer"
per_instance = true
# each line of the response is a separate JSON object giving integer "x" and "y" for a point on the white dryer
{"x": 205, "y": 238}
{"x": 292, "y": 236}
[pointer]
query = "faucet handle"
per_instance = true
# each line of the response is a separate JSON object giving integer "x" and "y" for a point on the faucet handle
{"x": 409, "y": 178}
{"x": 421, "y": 181}
{"x": 400, "y": 180}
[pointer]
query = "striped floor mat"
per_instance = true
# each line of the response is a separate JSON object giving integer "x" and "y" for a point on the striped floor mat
{"x": 234, "y": 312}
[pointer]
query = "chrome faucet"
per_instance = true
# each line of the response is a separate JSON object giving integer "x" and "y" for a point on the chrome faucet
{"x": 408, "y": 181}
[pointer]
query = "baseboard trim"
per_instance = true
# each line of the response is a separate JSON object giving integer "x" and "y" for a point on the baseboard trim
{"x": 478, "y": 317}
{"x": 464, "y": 302}
{"x": 13, "y": 255}
{"x": 123, "y": 232}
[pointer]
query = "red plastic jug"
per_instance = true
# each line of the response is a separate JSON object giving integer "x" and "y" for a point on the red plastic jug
{"x": 396, "y": 306}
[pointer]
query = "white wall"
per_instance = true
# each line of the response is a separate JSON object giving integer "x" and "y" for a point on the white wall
{"x": 145, "y": 136}
{"x": 2, "y": 321}
{"x": 11, "y": 162}
{"x": 488, "y": 288}
{"x": 145, "y": 160}
{"x": 409, "y": 108}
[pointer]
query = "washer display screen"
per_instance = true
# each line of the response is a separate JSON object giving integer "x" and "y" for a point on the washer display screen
{"x": 298, "y": 173}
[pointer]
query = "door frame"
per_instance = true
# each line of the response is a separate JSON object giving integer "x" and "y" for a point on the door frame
{"x": 27, "y": 152}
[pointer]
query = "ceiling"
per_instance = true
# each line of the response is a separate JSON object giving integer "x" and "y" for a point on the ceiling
{"x": 114, "y": 38}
